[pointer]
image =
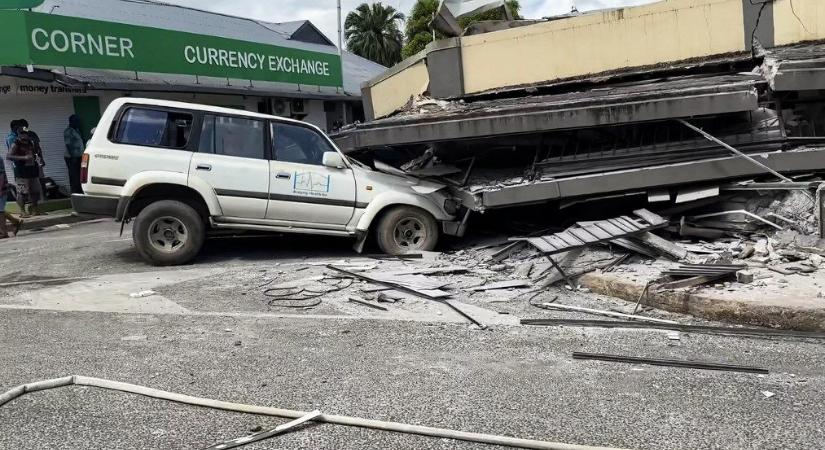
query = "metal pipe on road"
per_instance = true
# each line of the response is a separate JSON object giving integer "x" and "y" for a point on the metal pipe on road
{"x": 78, "y": 380}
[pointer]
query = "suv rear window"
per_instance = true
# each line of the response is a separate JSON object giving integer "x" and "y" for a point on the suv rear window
{"x": 154, "y": 128}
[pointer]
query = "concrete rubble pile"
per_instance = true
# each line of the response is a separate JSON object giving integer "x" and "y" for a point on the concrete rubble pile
{"x": 716, "y": 150}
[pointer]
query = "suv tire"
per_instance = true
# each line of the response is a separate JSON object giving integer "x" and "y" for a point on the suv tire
{"x": 406, "y": 229}
{"x": 168, "y": 233}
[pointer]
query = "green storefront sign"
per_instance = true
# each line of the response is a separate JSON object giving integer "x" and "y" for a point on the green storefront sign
{"x": 53, "y": 40}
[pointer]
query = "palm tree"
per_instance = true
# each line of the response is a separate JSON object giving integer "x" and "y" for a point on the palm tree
{"x": 372, "y": 32}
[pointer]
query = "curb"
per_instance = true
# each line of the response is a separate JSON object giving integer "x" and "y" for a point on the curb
{"x": 709, "y": 307}
{"x": 41, "y": 222}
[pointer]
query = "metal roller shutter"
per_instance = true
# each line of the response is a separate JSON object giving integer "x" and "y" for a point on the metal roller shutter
{"x": 48, "y": 117}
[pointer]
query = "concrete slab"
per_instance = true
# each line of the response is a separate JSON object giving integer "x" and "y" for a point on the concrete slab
{"x": 790, "y": 302}
{"x": 630, "y": 103}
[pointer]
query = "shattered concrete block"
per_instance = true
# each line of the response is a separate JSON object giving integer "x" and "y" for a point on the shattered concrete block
{"x": 746, "y": 252}
{"x": 523, "y": 270}
{"x": 744, "y": 277}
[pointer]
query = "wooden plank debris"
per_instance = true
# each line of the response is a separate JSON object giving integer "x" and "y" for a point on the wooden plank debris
{"x": 580, "y": 235}
{"x": 634, "y": 247}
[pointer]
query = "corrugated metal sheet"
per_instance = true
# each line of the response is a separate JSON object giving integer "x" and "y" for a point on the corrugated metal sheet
{"x": 173, "y": 17}
{"x": 48, "y": 117}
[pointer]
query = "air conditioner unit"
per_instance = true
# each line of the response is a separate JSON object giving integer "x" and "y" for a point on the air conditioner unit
{"x": 297, "y": 106}
{"x": 279, "y": 107}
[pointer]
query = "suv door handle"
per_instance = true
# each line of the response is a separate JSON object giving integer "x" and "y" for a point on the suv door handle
{"x": 206, "y": 167}
{"x": 283, "y": 176}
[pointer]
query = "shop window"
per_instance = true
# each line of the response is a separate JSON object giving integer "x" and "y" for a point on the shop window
{"x": 297, "y": 144}
{"x": 154, "y": 128}
{"x": 232, "y": 136}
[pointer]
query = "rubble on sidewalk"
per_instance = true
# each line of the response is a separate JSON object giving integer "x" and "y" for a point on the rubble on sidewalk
{"x": 751, "y": 252}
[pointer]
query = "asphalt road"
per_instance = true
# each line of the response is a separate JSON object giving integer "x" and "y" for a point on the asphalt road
{"x": 509, "y": 380}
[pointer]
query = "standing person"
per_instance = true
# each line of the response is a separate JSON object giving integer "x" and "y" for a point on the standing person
{"x": 38, "y": 155}
{"x": 12, "y": 136}
{"x": 26, "y": 173}
{"x": 74, "y": 151}
{"x": 4, "y": 184}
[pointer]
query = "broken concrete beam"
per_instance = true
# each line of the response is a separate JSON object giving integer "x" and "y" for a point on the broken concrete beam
{"x": 662, "y": 245}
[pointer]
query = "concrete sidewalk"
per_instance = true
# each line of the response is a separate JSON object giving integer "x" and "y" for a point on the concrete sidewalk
{"x": 793, "y": 302}
{"x": 50, "y": 219}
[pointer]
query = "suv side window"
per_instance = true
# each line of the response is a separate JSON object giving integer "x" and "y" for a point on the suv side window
{"x": 232, "y": 136}
{"x": 297, "y": 144}
{"x": 154, "y": 128}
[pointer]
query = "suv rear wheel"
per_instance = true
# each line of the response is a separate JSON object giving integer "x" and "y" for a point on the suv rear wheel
{"x": 168, "y": 233}
{"x": 406, "y": 229}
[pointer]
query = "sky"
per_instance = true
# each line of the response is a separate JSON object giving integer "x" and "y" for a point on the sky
{"x": 323, "y": 13}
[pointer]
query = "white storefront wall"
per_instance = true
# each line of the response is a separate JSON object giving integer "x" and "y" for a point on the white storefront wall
{"x": 48, "y": 116}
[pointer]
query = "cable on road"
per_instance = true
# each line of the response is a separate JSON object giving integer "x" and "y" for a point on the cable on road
{"x": 301, "y": 297}
{"x": 77, "y": 380}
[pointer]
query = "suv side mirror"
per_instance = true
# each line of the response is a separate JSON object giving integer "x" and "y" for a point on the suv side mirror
{"x": 333, "y": 160}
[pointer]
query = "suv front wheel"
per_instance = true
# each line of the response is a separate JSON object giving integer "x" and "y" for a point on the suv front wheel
{"x": 406, "y": 229}
{"x": 168, "y": 233}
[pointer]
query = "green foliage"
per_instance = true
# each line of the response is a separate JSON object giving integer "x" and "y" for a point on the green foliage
{"x": 495, "y": 14}
{"x": 372, "y": 32}
{"x": 418, "y": 32}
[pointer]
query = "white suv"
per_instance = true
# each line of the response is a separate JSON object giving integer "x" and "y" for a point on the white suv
{"x": 182, "y": 170}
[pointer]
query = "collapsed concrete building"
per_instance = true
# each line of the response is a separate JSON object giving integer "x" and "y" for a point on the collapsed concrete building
{"x": 650, "y": 99}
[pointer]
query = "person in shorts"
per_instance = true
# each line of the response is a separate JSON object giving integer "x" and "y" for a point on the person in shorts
{"x": 23, "y": 155}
